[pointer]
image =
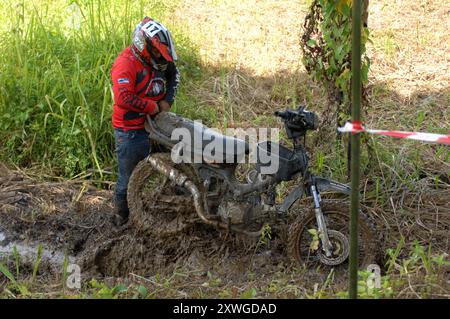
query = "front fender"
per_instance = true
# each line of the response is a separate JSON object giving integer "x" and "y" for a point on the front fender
{"x": 326, "y": 185}
{"x": 322, "y": 184}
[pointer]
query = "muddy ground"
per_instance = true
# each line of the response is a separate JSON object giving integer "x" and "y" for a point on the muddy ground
{"x": 72, "y": 220}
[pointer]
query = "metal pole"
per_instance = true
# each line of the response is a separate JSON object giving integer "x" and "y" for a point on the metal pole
{"x": 356, "y": 105}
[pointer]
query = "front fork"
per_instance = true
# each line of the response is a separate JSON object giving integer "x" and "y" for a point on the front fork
{"x": 323, "y": 232}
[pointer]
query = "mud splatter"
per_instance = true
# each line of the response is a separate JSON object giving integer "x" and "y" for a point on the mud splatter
{"x": 73, "y": 220}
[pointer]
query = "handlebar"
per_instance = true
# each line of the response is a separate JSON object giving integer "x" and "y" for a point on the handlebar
{"x": 291, "y": 115}
{"x": 299, "y": 119}
{"x": 282, "y": 114}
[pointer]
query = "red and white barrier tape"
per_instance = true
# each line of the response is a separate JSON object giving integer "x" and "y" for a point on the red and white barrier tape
{"x": 357, "y": 127}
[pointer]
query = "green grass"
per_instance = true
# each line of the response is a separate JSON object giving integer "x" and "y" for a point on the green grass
{"x": 56, "y": 94}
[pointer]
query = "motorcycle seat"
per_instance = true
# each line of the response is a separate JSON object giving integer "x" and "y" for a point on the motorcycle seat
{"x": 200, "y": 141}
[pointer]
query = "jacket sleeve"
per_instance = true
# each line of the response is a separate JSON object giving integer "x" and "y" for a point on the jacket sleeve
{"x": 124, "y": 78}
{"x": 173, "y": 80}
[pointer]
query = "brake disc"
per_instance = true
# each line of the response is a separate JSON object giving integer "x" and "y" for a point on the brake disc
{"x": 340, "y": 250}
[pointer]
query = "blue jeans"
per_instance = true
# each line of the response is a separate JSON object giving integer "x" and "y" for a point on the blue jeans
{"x": 131, "y": 147}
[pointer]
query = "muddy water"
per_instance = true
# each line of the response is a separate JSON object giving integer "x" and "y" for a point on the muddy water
{"x": 28, "y": 253}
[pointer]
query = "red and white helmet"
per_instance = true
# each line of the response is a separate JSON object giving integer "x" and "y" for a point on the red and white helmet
{"x": 150, "y": 34}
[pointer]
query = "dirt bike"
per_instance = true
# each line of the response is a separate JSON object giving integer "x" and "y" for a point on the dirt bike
{"x": 167, "y": 195}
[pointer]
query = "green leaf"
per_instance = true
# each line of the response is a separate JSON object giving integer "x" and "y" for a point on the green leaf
{"x": 142, "y": 291}
{"x": 314, "y": 246}
{"x": 346, "y": 10}
{"x": 5, "y": 271}
{"x": 95, "y": 284}
{"x": 248, "y": 294}
{"x": 119, "y": 289}
{"x": 315, "y": 242}
{"x": 311, "y": 42}
{"x": 365, "y": 73}
{"x": 37, "y": 262}
{"x": 23, "y": 290}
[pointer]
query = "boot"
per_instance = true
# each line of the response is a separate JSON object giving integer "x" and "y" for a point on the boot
{"x": 121, "y": 212}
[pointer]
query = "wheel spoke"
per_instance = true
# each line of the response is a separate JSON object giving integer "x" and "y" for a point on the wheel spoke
{"x": 156, "y": 205}
{"x": 336, "y": 217}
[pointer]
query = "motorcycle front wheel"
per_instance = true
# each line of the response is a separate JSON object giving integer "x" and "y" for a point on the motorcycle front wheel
{"x": 304, "y": 244}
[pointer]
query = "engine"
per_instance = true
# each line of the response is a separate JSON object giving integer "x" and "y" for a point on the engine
{"x": 235, "y": 212}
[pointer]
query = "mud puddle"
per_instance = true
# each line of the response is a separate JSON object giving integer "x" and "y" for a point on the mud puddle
{"x": 31, "y": 253}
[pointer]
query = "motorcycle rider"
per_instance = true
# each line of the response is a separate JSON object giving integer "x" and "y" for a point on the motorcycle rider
{"x": 145, "y": 80}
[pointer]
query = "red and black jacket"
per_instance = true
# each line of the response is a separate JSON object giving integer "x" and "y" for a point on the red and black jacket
{"x": 137, "y": 88}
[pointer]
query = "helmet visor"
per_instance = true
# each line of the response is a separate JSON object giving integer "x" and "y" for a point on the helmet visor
{"x": 163, "y": 49}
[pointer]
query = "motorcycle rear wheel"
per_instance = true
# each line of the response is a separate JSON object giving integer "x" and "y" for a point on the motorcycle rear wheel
{"x": 157, "y": 205}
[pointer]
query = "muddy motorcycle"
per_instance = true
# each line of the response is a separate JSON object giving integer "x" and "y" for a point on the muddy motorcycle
{"x": 168, "y": 194}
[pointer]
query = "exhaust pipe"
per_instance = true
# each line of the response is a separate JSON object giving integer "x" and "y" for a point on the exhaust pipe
{"x": 182, "y": 180}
